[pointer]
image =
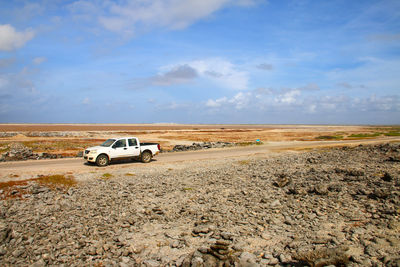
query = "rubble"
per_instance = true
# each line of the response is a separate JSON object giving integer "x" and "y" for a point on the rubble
{"x": 282, "y": 210}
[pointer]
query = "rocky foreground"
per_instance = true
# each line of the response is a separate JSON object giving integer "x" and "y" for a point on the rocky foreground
{"x": 337, "y": 207}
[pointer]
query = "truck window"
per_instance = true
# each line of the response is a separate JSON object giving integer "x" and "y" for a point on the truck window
{"x": 120, "y": 143}
{"x": 109, "y": 142}
{"x": 132, "y": 142}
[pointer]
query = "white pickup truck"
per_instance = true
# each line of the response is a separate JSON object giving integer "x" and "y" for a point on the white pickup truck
{"x": 118, "y": 148}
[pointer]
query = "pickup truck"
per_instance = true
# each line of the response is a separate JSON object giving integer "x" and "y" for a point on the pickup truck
{"x": 119, "y": 148}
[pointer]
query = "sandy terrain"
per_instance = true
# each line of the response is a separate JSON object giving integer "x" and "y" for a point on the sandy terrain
{"x": 71, "y": 138}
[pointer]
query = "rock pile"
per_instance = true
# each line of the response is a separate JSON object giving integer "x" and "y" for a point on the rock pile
{"x": 8, "y": 134}
{"x": 53, "y": 134}
{"x": 220, "y": 253}
{"x": 199, "y": 146}
{"x": 43, "y": 134}
{"x": 330, "y": 207}
{"x": 18, "y": 151}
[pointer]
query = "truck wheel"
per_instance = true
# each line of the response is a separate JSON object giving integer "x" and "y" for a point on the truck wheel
{"x": 102, "y": 160}
{"x": 146, "y": 157}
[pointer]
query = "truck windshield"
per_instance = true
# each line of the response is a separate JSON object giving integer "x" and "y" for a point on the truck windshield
{"x": 109, "y": 142}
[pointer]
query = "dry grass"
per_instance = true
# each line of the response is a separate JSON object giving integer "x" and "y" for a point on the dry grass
{"x": 106, "y": 176}
{"x": 13, "y": 189}
{"x": 168, "y": 136}
{"x": 61, "y": 145}
{"x": 57, "y": 181}
{"x": 65, "y": 146}
{"x": 16, "y": 189}
{"x": 265, "y": 135}
{"x": 243, "y": 162}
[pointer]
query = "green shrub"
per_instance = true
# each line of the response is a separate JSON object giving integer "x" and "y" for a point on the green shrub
{"x": 392, "y": 134}
{"x": 364, "y": 135}
{"x": 329, "y": 137}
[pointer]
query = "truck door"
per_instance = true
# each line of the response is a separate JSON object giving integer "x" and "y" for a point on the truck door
{"x": 133, "y": 147}
{"x": 119, "y": 149}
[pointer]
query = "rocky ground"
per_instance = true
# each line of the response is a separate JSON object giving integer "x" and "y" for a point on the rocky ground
{"x": 18, "y": 151}
{"x": 331, "y": 207}
{"x": 208, "y": 145}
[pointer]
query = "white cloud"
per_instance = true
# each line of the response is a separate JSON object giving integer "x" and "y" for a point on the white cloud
{"x": 39, "y": 60}
{"x": 248, "y": 2}
{"x": 239, "y": 101}
{"x": 86, "y": 101}
{"x": 294, "y": 102}
{"x": 10, "y": 39}
{"x": 288, "y": 97}
{"x": 178, "y": 74}
{"x": 216, "y": 103}
{"x": 382, "y": 103}
{"x": 222, "y": 72}
{"x": 124, "y": 17}
{"x": 312, "y": 108}
{"x": 174, "y": 14}
{"x": 219, "y": 71}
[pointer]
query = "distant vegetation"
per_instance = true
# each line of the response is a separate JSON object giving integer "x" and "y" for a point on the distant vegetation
{"x": 249, "y": 143}
{"x": 393, "y": 133}
{"x": 390, "y": 131}
{"x": 365, "y": 135}
{"x": 329, "y": 137}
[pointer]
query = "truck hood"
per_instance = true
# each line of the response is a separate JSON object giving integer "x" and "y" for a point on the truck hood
{"x": 95, "y": 148}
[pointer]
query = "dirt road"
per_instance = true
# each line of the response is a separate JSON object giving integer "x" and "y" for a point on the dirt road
{"x": 31, "y": 168}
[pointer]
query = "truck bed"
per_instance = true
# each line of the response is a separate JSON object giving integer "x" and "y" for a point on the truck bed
{"x": 148, "y": 144}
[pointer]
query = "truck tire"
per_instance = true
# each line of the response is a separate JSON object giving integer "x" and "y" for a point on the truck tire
{"x": 146, "y": 157}
{"x": 102, "y": 160}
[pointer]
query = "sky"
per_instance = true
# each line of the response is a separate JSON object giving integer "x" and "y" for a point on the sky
{"x": 200, "y": 61}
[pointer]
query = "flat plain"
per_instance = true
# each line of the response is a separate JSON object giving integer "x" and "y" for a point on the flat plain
{"x": 71, "y": 138}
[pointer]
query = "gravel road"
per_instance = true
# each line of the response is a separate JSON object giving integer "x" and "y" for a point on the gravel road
{"x": 336, "y": 206}
{"x": 31, "y": 168}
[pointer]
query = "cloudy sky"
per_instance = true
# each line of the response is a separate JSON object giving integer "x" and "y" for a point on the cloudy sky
{"x": 200, "y": 61}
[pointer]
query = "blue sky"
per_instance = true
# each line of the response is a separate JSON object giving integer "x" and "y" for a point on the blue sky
{"x": 200, "y": 61}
